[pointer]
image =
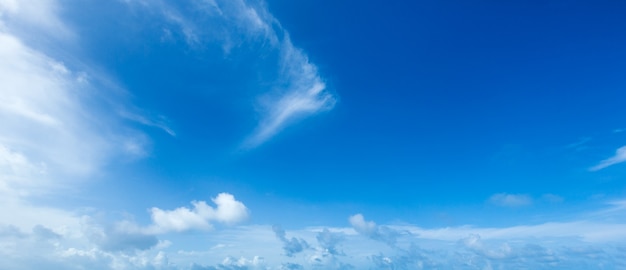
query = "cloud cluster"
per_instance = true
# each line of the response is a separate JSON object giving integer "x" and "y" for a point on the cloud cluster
{"x": 125, "y": 246}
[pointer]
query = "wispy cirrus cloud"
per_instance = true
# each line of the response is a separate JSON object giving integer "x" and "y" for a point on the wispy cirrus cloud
{"x": 619, "y": 157}
{"x": 298, "y": 90}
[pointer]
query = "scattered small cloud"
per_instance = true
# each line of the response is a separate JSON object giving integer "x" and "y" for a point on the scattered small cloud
{"x": 511, "y": 200}
{"x": 619, "y": 157}
{"x": 580, "y": 144}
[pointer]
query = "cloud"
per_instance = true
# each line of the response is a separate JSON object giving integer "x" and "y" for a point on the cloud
{"x": 57, "y": 128}
{"x": 228, "y": 211}
{"x": 328, "y": 241}
{"x": 371, "y": 230}
{"x": 303, "y": 95}
{"x": 290, "y": 246}
{"x": 123, "y": 236}
{"x": 232, "y": 263}
{"x": 361, "y": 226}
{"x": 298, "y": 90}
{"x": 510, "y": 200}
{"x": 619, "y": 157}
{"x": 567, "y": 245}
{"x": 30, "y": 18}
{"x": 552, "y": 198}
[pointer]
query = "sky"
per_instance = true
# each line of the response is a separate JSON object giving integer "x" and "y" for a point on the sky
{"x": 250, "y": 134}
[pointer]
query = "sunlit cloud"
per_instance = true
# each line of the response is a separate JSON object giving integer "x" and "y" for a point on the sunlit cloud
{"x": 299, "y": 91}
{"x": 619, "y": 157}
{"x": 227, "y": 210}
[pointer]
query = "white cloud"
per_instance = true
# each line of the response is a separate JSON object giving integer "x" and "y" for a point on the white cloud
{"x": 565, "y": 245}
{"x": 56, "y": 124}
{"x": 228, "y": 211}
{"x": 619, "y": 157}
{"x": 33, "y": 18}
{"x": 370, "y": 229}
{"x": 304, "y": 95}
{"x": 361, "y": 226}
{"x": 510, "y": 200}
{"x": 290, "y": 246}
{"x": 298, "y": 91}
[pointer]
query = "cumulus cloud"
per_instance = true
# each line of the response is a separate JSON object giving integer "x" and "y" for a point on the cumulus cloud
{"x": 373, "y": 231}
{"x": 619, "y": 157}
{"x": 290, "y": 246}
{"x": 328, "y": 241}
{"x": 573, "y": 245}
{"x": 510, "y": 200}
{"x": 228, "y": 210}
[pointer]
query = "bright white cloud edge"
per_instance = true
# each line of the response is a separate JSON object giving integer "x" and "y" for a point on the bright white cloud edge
{"x": 619, "y": 157}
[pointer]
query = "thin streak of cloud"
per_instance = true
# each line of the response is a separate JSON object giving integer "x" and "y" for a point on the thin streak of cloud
{"x": 510, "y": 200}
{"x": 580, "y": 144}
{"x": 619, "y": 157}
{"x": 298, "y": 92}
{"x": 142, "y": 119}
{"x": 305, "y": 95}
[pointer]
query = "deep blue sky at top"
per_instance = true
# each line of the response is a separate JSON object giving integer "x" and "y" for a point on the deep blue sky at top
{"x": 440, "y": 103}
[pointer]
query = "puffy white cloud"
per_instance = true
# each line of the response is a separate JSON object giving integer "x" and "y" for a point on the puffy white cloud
{"x": 361, "y": 226}
{"x": 619, "y": 157}
{"x": 510, "y": 200}
{"x": 371, "y": 230}
{"x": 228, "y": 211}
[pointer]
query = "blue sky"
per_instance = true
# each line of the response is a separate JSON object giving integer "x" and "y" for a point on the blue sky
{"x": 246, "y": 134}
